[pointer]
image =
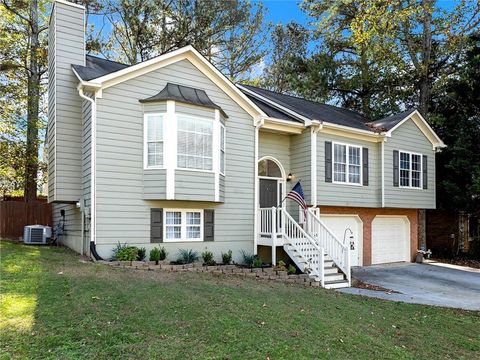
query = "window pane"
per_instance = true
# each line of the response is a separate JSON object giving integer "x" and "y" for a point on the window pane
{"x": 222, "y": 161}
{"x": 194, "y": 143}
{"x": 193, "y": 218}
{"x": 339, "y": 163}
{"x": 173, "y": 218}
{"x": 339, "y": 172}
{"x": 154, "y": 140}
{"x": 354, "y": 155}
{"x": 193, "y": 232}
{"x": 354, "y": 174}
{"x": 173, "y": 232}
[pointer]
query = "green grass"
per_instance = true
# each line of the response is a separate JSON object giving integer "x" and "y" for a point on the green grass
{"x": 54, "y": 305}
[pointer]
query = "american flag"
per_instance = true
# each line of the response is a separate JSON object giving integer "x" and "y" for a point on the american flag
{"x": 296, "y": 194}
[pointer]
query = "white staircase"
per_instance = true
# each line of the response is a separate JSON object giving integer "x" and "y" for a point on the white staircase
{"x": 313, "y": 248}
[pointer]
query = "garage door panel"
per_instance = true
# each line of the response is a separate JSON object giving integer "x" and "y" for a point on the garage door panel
{"x": 337, "y": 225}
{"x": 390, "y": 239}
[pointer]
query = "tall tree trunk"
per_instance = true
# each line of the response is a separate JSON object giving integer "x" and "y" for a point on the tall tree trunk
{"x": 31, "y": 168}
{"x": 425, "y": 82}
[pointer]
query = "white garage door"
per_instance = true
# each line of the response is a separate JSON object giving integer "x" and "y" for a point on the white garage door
{"x": 338, "y": 224}
{"x": 390, "y": 239}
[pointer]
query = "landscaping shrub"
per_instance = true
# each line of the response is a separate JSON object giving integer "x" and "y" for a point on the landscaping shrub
{"x": 163, "y": 253}
{"x": 142, "y": 252}
{"x": 119, "y": 247}
{"x": 130, "y": 253}
{"x": 155, "y": 255}
{"x": 208, "y": 258}
{"x": 291, "y": 269}
{"x": 227, "y": 257}
{"x": 187, "y": 256}
{"x": 281, "y": 266}
{"x": 257, "y": 262}
{"x": 247, "y": 258}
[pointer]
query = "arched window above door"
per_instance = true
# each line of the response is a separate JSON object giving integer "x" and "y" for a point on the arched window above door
{"x": 269, "y": 168}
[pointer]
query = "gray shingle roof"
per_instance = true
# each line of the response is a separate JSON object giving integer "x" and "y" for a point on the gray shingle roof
{"x": 389, "y": 122}
{"x": 96, "y": 67}
{"x": 271, "y": 111}
{"x": 184, "y": 94}
{"x": 313, "y": 110}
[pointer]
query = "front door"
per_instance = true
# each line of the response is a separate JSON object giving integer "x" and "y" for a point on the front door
{"x": 268, "y": 193}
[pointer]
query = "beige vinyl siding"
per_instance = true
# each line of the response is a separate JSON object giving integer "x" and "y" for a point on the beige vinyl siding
{"x": 154, "y": 184}
{"x": 192, "y": 110}
{"x": 122, "y": 214}
{"x": 73, "y": 224}
{"x": 408, "y": 137}
{"x": 87, "y": 162}
{"x": 332, "y": 194}
{"x": 194, "y": 185}
{"x": 65, "y": 115}
{"x": 276, "y": 146}
{"x": 301, "y": 163}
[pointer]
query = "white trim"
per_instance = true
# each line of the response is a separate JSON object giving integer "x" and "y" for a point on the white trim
{"x": 313, "y": 164}
{"x": 306, "y": 120}
{"x": 347, "y": 164}
{"x": 170, "y": 142}
{"x": 258, "y": 123}
{"x": 222, "y": 127}
{"x": 183, "y": 225}
{"x": 410, "y": 171}
{"x": 350, "y": 129}
{"x": 216, "y": 153}
{"x": 70, "y": 4}
{"x": 436, "y": 141}
{"x": 145, "y": 137}
{"x": 55, "y": 114}
{"x": 276, "y": 161}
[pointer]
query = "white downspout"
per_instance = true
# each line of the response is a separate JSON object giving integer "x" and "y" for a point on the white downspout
{"x": 258, "y": 123}
{"x": 93, "y": 198}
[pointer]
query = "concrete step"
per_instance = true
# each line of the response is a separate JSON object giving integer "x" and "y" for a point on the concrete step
{"x": 331, "y": 270}
{"x": 334, "y": 277}
{"x": 336, "y": 284}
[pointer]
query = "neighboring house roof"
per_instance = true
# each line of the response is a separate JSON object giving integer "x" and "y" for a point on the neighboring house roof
{"x": 389, "y": 122}
{"x": 96, "y": 67}
{"x": 309, "y": 109}
{"x": 184, "y": 94}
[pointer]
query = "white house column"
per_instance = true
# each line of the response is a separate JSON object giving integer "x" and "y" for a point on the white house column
{"x": 216, "y": 153}
{"x": 170, "y": 142}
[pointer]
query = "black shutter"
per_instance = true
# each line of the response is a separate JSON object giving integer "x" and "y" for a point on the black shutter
{"x": 365, "y": 166}
{"x": 208, "y": 224}
{"x": 396, "y": 174}
{"x": 425, "y": 171}
{"x": 156, "y": 225}
{"x": 328, "y": 161}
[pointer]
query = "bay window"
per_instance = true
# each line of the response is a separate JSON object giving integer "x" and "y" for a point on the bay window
{"x": 347, "y": 164}
{"x": 194, "y": 143}
{"x": 410, "y": 169}
{"x": 183, "y": 225}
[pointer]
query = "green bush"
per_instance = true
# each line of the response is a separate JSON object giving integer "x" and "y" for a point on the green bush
{"x": 129, "y": 253}
{"x": 281, "y": 266}
{"x": 163, "y": 253}
{"x": 227, "y": 257}
{"x": 208, "y": 258}
{"x": 142, "y": 252}
{"x": 187, "y": 256}
{"x": 257, "y": 262}
{"x": 291, "y": 269}
{"x": 247, "y": 258}
{"x": 119, "y": 247}
{"x": 155, "y": 255}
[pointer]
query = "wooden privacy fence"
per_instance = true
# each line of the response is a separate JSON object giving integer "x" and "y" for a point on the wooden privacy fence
{"x": 14, "y": 215}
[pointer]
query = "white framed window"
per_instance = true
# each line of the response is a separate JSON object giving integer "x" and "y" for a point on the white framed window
{"x": 222, "y": 149}
{"x": 183, "y": 225}
{"x": 194, "y": 143}
{"x": 153, "y": 137}
{"x": 347, "y": 164}
{"x": 410, "y": 170}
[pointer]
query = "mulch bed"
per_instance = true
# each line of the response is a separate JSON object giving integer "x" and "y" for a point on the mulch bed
{"x": 461, "y": 262}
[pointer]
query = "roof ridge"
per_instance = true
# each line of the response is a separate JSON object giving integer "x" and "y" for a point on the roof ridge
{"x": 310, "y": 101}
{"x": 113, "y": 61}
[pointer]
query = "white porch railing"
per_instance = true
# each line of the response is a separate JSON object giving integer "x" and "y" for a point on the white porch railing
{"x": 337, "y": 250}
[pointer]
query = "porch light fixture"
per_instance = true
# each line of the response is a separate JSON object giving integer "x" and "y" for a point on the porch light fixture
{"x": 289, "y": 177}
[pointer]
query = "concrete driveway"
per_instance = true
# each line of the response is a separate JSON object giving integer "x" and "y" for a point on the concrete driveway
{"x": 430, "y": 284}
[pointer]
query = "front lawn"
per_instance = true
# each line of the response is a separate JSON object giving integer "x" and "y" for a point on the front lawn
{"x": 55, "y": 305}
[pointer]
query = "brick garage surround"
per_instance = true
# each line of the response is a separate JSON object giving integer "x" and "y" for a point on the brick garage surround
{"x": 367, "y": 215}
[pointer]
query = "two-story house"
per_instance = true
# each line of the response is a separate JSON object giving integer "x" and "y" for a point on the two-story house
{"x": 170, "y": 151}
